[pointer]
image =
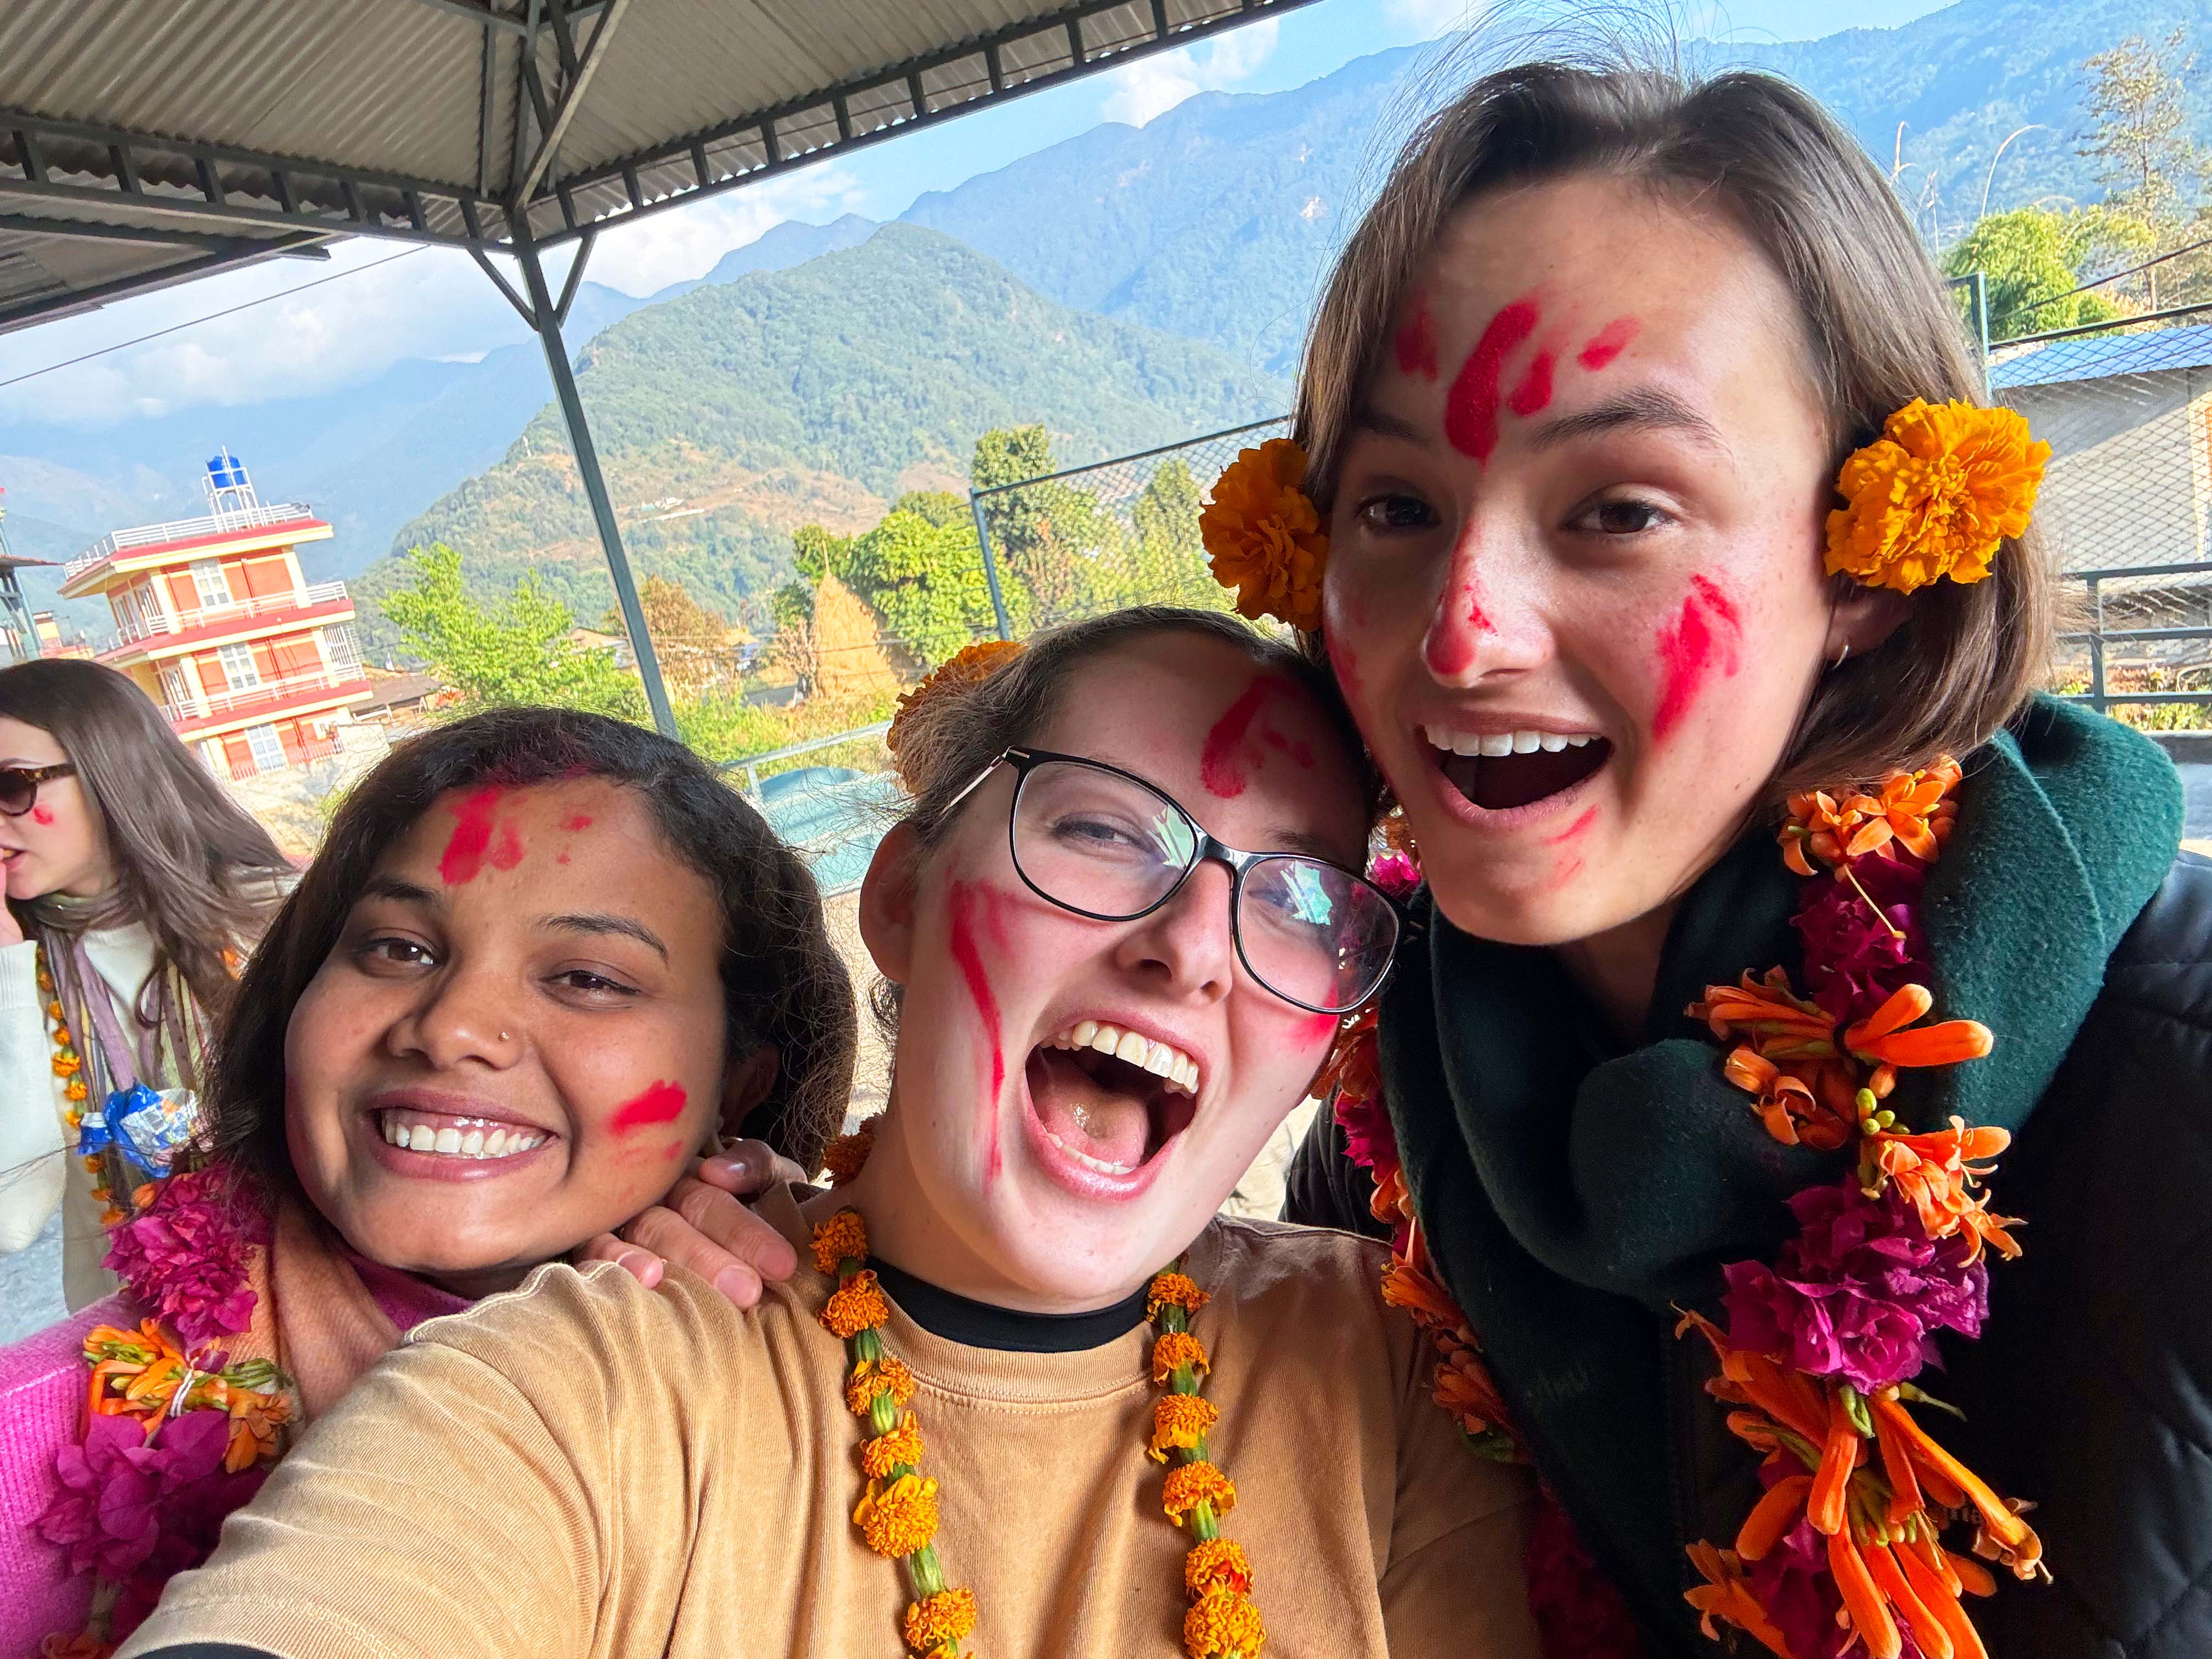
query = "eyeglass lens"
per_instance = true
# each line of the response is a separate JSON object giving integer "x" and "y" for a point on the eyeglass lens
{"x": 1114, "y": 847}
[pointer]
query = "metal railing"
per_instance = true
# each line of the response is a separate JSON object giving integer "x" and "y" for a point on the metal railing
{"x": 211, "y": 703}
{"x": 135, "y": 626}
{"x": 750, "y": 765}
{"x": 185, "y": 530}
{"x": 2097, "y": 638}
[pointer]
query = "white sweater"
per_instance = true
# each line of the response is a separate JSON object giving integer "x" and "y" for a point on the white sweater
{"x": 39, "y": 1169}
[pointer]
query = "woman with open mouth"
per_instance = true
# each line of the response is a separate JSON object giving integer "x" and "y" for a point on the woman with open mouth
{"x": 543, "y": 960}
{"x": 1026, "y": 1388}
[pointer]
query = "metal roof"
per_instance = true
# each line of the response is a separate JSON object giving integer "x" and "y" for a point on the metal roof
{"x": 2099, "y": 356}
{"x": 143, "y": 142}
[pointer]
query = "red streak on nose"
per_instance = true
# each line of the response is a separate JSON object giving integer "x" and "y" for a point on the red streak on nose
{"x": 1471, "y": 406}
{"x": 1450, "y": 651}
{"x": 661, "y": 1103}
{"x": 1609, "y": 343}
{"x": 464, "y": 849}
{"x": 969, "y": 961}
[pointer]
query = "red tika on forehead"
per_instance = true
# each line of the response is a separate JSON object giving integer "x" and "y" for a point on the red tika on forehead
{"x": 1471, "y": 406}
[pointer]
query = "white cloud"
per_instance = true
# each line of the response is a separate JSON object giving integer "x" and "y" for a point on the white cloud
{"x": 684, "y": 242}
{"x": 1153, "y": 86}
{"x": 433, "y": 303}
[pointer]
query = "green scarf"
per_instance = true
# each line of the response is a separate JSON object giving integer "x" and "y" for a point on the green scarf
{"x": 1574, "y": 1194}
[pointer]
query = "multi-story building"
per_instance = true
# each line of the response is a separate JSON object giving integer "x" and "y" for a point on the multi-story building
{"x": 252, "y": 664}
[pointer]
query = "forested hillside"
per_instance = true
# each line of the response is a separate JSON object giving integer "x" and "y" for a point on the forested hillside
{"x": 727, "y": 417}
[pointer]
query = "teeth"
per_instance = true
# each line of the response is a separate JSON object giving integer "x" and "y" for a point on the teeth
{"x": 1162, "y": 1060}
{"x": 1495, "y": 744}
{"x": 1101, "y": 1164}
{"x": 474, "y": 1141}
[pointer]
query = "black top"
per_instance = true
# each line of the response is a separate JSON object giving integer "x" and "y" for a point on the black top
{"x": 980, "y": 1325}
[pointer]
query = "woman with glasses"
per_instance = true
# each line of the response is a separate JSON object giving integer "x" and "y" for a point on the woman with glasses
{"x": 1026, "y": 1393}
{"x": 133, "y": 883}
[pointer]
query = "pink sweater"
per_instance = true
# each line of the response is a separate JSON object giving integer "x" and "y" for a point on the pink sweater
{"x": 43, "y": 1382}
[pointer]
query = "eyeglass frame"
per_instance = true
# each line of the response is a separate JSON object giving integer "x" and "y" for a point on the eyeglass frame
{"x": 38, "y": 775}
{"x": 1211, "y": 850}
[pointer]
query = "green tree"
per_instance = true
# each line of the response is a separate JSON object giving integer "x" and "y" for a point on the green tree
{"x": 2150, "y": 167}
{"x": 2031, "y": 258}
{"x": 924, "y": 579}
{"x": 516, "y": 652}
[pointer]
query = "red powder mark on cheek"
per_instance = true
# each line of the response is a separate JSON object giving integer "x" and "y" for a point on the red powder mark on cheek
{"x": 969, "y": 961}
{"x": 508, "y": 852}
{"x": 465, "y": 851}
{"x": 1345, "y": 666}
{"x": 1690, "y": 652}
{"x": 662, "y": 1103}
{"x": 1609, "y": 343}
{"x": 1316, "y": 1031}
{"x": 1573, "y": 829}
{"x": 1534, "y": 391}
{"x": 41, "y": 815}
{"x": 579, "y": 822}
{"x": 1471, "y": 406}
{"x": 1416, "y": 341}
{"x": 560, "y": 857}
{"x": 1222, "y": 759}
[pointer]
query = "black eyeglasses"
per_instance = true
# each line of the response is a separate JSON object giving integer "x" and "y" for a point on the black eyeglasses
{"x": 19, "y": 784}
{"x": 1103, "y": 844}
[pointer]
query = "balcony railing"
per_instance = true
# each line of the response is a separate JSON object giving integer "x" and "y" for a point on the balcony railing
{"x": 310, "y": 749}
{"x": 185, "y": 530}
{"x": 136, "y": 626}
{"x": 241, "y": 698}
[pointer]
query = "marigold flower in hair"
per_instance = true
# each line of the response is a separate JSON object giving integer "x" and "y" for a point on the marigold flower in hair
{"x": 1221, "y": 1622}
{"x": 1190, "y": 1485}
{"x": 1934, "y": 495}
{"x": 898, "y": 1519}
{"x": 947, "y": 1616}
{"x": 1263, "y": 536}
{"x": 964, "y": 670}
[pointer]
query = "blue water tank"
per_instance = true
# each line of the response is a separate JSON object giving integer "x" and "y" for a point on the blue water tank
{"x": 226, "y": 471}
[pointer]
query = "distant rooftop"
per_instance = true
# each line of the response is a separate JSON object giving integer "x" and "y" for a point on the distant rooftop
{"x": 2099, "y": 356}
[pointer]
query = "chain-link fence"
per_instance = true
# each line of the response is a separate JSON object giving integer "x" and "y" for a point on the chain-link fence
{"x": 1095, "y": 539}
{"x": 2126, "y": 508}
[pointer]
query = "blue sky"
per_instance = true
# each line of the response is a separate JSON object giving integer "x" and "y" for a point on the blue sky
{"x": 435, "y": 304}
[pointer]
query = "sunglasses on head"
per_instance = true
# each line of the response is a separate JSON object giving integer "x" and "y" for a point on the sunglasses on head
{"x": 19, "y": 784}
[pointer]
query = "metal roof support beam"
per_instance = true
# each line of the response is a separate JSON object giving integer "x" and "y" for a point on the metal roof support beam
{"x": 494, "y": 22}
{"x": 545, "y": 317}
{"x": 579, "y": 81}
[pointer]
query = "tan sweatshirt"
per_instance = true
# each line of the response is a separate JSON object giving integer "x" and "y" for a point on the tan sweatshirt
{"x": 583, "y": 1467}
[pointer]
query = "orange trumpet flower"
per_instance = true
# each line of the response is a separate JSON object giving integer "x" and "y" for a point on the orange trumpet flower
{"x": 1772, "y": 1516}
{"x": 1864, "y": 1601}
{"x": 1787, "y": 1104}
{"x": 1779, "y": 1023}
{"x": 1929, "y": 1630}
{"x": 1941, "y": 1597}
{"x": 1933, "y": 1172}
{"x": 1881, "y": 1039}
{"x": 1841, "y": 1448}
{"x": 1726, "y": 1595}
{"x": 2007, "y": 1537}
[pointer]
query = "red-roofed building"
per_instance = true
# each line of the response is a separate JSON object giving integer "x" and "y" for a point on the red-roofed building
{"x": 252, "y": 664}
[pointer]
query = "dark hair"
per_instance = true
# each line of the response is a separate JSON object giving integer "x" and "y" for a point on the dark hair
{"x": 951, "y": 737}
{"x": 782, "y": 980}
{"x": 189, "y": 863}
{"x": 1878, "y": 328}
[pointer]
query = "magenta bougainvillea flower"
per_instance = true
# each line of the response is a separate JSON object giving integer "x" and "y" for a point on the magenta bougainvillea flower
{"x": 1859, "y": 1293}
{"x": 188, "y": 1256}
{"x": 1852, "y": 961}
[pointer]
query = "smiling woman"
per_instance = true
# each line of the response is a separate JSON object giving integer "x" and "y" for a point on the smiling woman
{"x": 542, "y": 959}
{"x": 1118, "y": 926}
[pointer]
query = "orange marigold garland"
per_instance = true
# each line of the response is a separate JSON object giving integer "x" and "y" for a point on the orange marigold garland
{"x": 1818, "y": 1352}
{"x": 1221, "y": 1623}
{"x": 897, "y": 1511}
{"x": 1263, "y": 536}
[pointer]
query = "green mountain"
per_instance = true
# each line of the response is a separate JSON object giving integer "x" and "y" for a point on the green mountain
{"x": 727, "y": 417}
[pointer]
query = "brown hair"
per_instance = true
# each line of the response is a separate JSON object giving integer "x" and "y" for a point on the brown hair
{"x": 1876, "y": 321}
{"x": 782, "y": 980}
{"x": 946, "y": 739}
{"x": 189, "y": 863}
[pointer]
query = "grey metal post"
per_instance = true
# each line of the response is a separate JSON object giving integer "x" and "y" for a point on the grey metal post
{"x": 990, "y": 565}
{"x": 547, "y": 322}
{"x": 2097, "y": 649}
{"x": 1981, "y": 316}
